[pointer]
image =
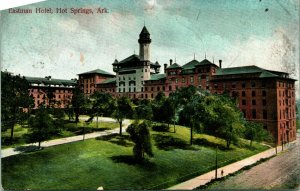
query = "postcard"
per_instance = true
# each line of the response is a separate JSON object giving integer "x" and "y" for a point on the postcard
{"x": 150, "y": 94}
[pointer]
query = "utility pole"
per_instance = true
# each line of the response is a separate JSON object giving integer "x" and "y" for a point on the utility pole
{"x": 216, "y": 174}
{"x": 282, "y": 139}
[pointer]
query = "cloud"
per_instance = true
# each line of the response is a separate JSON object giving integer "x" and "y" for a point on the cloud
{"x": 277, "y": 52}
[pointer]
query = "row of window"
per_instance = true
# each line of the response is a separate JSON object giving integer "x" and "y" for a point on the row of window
{"x": 254, "y": 113}
{"x": 253, "y": 102}
{"x": 286, "y": 92}
{"x": 283, "y": 84}
{"x": 284, "y": 114}
{"x": 185, "y": 79}
{"x": 253, "y": 93}
{"x": 202, "y": 70}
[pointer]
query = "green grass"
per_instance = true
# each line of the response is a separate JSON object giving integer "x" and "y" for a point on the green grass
{"x": 70, "y": 129}
{"x": 298, "y": 124}
{"x": 108, "y": 162}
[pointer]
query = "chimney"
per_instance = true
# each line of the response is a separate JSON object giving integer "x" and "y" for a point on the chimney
{"x": 220, "y": 63}
{"x": 165, "y": 66}
{"x": 171, "y": 62}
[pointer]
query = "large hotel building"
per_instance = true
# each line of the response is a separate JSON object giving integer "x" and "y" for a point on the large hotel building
{"x": 263, "y": 96}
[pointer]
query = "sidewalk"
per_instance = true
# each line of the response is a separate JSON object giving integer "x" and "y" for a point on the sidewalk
{"x": 231, "y": 168}
{"x": 11, "y": 151}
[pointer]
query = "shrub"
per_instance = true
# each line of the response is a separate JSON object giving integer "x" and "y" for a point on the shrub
{"x": 160, "y": 128}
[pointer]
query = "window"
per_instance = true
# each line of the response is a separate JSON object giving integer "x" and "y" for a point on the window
{"x": 253, "y": 94}
{"x": 152, "y": 89}
{"x": 233, "y": 85}
{"x": 263, "y": 84}
{"x": 253, "y": 102}
{"x": 142, "y": 89}
{"x": 146, "y": 95}
{"x": 176, "y": 80}
{"x": 123, "y": 89}
{"x": 252, "y": 84}
{"x": 129, "y": 89}
{"x": 264, "y": 93}
{"x": 203, "y": 77}
{"x": 146, "y": 88}
{"x": 243, "y": 84}
{"x": 265, "y": 114}
{"x": 164, "y": 88}
{"x": 183, "y": 80}
{"x": 253, "y": 113}
{"x": 243, "y": 93}
{"x": 142, "y": 95}
{"x": 158, "y": 89}
{"x": 243, "y": 102}
{"x": 151, "y": 95}
{"x": 264, "y": 102}
{"x": 192, "y": 79}
{"x": 170, "y": 88}
{"x": 216, "y": 86}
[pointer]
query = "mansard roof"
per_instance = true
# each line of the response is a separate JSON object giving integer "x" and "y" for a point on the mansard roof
{"x": 51, "y": 81}
{"x": 192, "y": 64}
{"x": 132, "y": 58}
{"x": 174, "y": 66}
{"x": 155, "y": 77}
{"x": 109, "y": 81}
{"x": 97, "y": 71}
{"x": 263, "y": 73}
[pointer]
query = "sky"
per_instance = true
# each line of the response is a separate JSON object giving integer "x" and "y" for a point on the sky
{"x": 239, "y": 32}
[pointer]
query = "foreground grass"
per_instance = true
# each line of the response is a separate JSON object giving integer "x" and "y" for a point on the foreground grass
{"x": 107, "y": 162}
{"x": 70, "y": 129}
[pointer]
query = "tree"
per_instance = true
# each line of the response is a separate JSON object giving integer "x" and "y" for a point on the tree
{"x": 78, "y": 101}
{"x": 41, "y": 126}
{"x": 100, "y": 103}
{"x": 156, "y": 106}
{"x": 255, "y": 132}
{"x": 143, "y": 110}
{"x": 223, "y": 119}
{"x": 58, "y": 120}
{"x": 167, "y": 111}
{"x": 193, "y": 112}
{"x": 14, "y": 99}
{"x": 123, "y": 109}
{"x": 140, "y": 135}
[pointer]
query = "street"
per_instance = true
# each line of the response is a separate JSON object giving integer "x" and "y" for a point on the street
{"x": 280, "y": 172}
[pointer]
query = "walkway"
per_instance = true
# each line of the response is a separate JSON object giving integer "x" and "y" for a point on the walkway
{"x": 231, "y": 168}
{"x": 126, "y": 122}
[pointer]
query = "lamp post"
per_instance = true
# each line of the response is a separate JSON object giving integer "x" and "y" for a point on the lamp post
{"x": 282, "y": 139}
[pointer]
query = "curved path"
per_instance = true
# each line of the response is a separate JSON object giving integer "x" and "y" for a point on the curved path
{"x": 12, "y": 151}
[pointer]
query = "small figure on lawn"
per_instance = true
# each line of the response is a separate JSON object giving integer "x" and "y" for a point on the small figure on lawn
{"x": 222, "y": 172}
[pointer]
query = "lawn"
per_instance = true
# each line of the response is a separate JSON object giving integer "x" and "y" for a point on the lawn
{"x": 70, "y": 129}
{"x": 108, "y": 162}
